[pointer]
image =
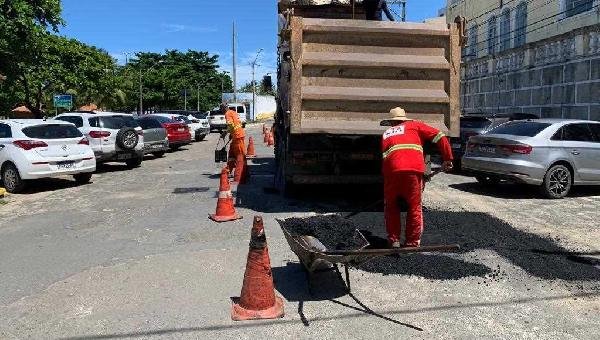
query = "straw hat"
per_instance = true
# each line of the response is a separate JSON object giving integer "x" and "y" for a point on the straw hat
{"x": 396, "y": 115}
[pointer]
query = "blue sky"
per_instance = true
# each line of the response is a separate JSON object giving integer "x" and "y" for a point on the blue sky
{"x": 128, "y": 26}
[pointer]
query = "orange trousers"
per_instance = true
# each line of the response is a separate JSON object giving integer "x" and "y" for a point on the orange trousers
{"x": 407, "y": 186}
{"x": 238, "y": 146}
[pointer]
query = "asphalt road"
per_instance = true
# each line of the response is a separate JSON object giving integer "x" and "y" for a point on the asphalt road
{"x": 133, "y": 255}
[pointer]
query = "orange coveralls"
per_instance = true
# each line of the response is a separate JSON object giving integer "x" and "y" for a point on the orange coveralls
{"x": 236, "y": 131}
{"x": 403, "y": 169}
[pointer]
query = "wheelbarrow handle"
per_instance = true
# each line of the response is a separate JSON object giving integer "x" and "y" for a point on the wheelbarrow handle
{"x": 383, "y": 252}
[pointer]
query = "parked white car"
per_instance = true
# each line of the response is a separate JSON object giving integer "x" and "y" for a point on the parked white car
{"x": 114, "y": 137}
{"x": 35, "y": 148}
{"x": 198, "y": 129}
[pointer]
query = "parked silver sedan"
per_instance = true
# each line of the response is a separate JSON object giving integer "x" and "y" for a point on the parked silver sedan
{"x": 554, "y": 154}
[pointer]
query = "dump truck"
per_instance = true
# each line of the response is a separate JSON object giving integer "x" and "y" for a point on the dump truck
{"x": 338, "y": 77}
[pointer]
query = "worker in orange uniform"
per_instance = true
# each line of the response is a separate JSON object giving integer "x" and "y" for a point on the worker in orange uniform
{"x": 236, "y": 134}
{"x": 403, "y": 172}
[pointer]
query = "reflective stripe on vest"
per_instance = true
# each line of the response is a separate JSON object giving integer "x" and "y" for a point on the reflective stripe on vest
{"x": 402, "y": 147}
{"x": 438, "y": 137}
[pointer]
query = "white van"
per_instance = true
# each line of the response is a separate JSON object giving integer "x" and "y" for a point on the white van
{"x": 241, "y": 110}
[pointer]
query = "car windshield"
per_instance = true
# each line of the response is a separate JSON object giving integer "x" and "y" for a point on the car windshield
{"x": 520, "y": 128}
{"x": 182, "y": 119}
{"x": 118, "y": 122}
{"x": 474, "y": 122}
{"x": 164, "y": 120}
{"x": 54, "y": 131}
{"x": 200, "y": 115}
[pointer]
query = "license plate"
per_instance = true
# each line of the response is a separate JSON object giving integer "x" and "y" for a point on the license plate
{"x": 157, "y": 146}
{"x": 180, "y": 129}
{"x": 65, "y": 165}
{"x": 456, "y": 146}
{"x": 486, "y": 149}
{"x": 124, "y": 156}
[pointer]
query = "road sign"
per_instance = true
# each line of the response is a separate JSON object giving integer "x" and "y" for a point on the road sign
{"x": 64, "y": 101}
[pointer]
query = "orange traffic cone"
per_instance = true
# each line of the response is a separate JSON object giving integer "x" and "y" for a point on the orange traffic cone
{"x": 258, "y": 299}
{"x": 225, "y": 210}
{"x": 241, "y": 173}
{"x": 251, "y": 153}
{"x": 266, "y": 136}
{"x": 271, "y": 140}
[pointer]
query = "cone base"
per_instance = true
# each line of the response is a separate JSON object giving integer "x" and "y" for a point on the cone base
{"x": 221, "y": 219}
{"x": 239, "y": 313}
{"x": 250, "y": 156}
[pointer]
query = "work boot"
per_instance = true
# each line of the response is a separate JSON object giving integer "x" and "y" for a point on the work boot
{"x": 395, "y": 244}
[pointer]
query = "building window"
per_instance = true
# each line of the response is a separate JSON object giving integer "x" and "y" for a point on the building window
{"x": 521, "y": 24}
{"x": 473, "y": 32}
{"x": 505, "y": 30}
{"x": 492, "y": 35}
{"x": 574, "y": 7}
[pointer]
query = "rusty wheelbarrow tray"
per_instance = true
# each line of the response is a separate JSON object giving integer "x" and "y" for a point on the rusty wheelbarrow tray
{"x": 315, "y": 257}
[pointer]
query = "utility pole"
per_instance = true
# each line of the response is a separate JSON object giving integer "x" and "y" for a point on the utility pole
{"x": 403, "y": 4}
{"x": 254, "y": 84}
{"x": 198, "y": 93}
{"x": 234, "y": 66}
{"x": 141, "y": 95}
{"x": 185, "y": 99}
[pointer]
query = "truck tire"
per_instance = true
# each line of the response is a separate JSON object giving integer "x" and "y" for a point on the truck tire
{"x": 127, "y": 138}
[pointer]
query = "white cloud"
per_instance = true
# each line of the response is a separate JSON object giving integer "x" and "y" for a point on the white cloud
{"x": 177, "y": 28}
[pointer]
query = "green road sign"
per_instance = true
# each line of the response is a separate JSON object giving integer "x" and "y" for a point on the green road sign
{"x": 64, "y": 101}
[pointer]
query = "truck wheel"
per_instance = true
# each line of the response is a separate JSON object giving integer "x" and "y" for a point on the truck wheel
{"x": 11, "y": 179}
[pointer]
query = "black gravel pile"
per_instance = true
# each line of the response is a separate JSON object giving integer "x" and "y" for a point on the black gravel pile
{"x": 333, "y": 231}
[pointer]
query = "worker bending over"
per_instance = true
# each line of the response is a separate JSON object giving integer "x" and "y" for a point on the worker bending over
{"x": 236, "y": 135}
{"x": 374, "y": 9}
{"x": 403, "y": 171}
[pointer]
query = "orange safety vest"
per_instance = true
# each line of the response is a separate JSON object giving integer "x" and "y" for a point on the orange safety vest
{"x": 234, "y": 125}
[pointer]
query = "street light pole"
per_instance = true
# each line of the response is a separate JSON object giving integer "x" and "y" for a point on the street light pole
{"x": 198, "y": 94}
{"x": 141, "y": 112}
{"x": 141, "y": 95}
{"x": 254, "y": 83}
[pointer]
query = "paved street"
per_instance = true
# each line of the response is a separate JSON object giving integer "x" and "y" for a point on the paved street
{"x": 133, "y": 255}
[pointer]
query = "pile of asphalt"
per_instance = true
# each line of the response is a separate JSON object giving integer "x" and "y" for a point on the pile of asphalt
{"x": 335, "y": 232}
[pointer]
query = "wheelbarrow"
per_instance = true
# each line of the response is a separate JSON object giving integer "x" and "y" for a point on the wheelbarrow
{"x": 315, "y": 257}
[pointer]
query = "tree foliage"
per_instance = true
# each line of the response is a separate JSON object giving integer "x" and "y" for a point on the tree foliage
{"x": 35, "y": 64}
{"x": 167, "y": 77}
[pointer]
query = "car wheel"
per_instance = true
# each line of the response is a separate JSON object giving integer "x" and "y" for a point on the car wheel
{"x": 134, "y": 162}
{"x": 127, "y": 138}
{"x": 487, "y": 180}
{"x": 159, "y": 154}
{"x": 83, "y": 178}
{"x": 200, "y": 138}
{"x": 11, "y": 179}
{"x": 174, "y": 147}
{"x": 557, "y": 182}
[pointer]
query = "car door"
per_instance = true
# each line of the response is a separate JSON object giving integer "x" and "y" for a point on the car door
{"x": 595, "y": 152}
{"x": 581, "y": 144}
{"x": 5, "y": 139}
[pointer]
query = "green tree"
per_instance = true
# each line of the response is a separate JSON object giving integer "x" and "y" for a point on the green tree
{"x": 23, "y": 26}
{"x": 166, "y": 77}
